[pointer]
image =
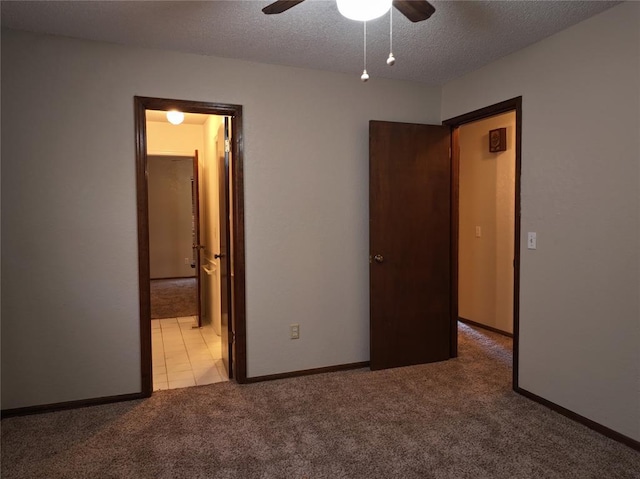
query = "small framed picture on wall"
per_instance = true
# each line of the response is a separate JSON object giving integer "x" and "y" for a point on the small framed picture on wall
{"x": 497, "y": 140}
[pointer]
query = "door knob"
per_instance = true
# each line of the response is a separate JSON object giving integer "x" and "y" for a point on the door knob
{"x": 379, "y": 258}
{"x": 218, "y": 256}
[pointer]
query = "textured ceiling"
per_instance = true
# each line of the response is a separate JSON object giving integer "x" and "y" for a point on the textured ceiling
{"x": 460, "y": 37}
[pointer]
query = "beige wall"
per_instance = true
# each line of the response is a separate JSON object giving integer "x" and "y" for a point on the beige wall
{"x": 163, "y": 138}
{"x": 209, "y": 186}
{"x": 170, "y": 217}
{"x": 579, "y": 292}
{"x": 169, "y": 247}
{"x": 70, "y": 247}
{"x": 487, "y": 201}
{"x": 210, "y": 237}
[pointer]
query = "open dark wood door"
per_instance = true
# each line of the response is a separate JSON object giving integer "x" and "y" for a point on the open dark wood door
{"x": 410, "y": 243}
{"x": 224, "y": 256}
{"x": 197, "y": 247}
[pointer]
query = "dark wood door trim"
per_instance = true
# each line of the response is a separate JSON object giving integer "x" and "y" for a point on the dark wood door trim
{"x": 195, "y": 205}
{"x": 224, "y": 265}
{"x": 454, "y": 226}
{"x": 514, "y": 104}
{"x": 141, "y": 104}
{"x": 239, "y": 291}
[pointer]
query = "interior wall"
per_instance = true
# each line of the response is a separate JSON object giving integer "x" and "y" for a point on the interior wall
{"x": 210, "y": 236}
{"x": 170, "y": 217}
{"x": 209, "y": 189}
{"x": 163, "y": 138}
{"x": 487, "y": 201}
{"x": 69, "y": 230}
{"x": 579, "y": 291}
{"x": 166, "y": 139}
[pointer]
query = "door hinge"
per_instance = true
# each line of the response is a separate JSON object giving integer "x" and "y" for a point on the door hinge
{"x": 449, "y": 152}
{"x": 227, "y": 146}
{"x": 233, "y": 337}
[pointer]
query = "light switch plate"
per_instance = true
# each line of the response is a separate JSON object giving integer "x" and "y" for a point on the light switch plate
{"x": 532, "y": 240}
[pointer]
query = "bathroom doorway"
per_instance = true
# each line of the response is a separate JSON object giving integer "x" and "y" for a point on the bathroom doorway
{"x": 186, "y": 347}
{"x": 208, "y": 137}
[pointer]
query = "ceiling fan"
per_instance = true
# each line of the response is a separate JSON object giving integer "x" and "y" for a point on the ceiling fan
{"x": 365, "y": 10}
{"x": 414, "y": 10}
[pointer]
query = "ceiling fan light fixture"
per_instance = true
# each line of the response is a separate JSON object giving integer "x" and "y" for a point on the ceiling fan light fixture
{"x": 363, "y": 10}
{"x": 175, "y": 117}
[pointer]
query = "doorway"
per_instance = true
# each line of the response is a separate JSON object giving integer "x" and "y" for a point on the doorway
{"x": 225, "y": 259}
{"x": 486, "y": 223}
{"x": 171, "y": 233}
{"x": 186, "y": 346}
{"x": 462, "y": 244}
{"x": 414, "y": 235}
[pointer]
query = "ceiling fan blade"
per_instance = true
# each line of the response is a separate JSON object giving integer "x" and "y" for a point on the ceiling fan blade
{"x": 280, "y": 6}
{"x": 415, "y": 10}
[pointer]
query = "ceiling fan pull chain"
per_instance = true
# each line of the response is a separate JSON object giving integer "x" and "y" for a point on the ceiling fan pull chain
{"x": 391, "y": 60}
{"x": 365, "y": 76}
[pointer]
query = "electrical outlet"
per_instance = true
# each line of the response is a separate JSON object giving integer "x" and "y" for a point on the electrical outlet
{"x": 294, "y": 331}
{"x": 187, "y": 261}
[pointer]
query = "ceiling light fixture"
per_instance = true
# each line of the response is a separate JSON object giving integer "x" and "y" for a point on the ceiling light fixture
{"x": 175, "y": 117}
{"x": 366, "y": 10}
{"x": 363, "y": 10}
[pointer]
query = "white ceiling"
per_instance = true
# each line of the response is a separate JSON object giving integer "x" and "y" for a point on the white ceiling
{"x": 460, "y": 37}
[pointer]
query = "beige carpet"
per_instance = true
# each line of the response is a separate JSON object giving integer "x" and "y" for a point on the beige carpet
{"x": 455, "y": 419}
{"x": 173, "y": 298}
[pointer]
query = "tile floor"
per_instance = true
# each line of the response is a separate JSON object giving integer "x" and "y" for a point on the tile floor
{"x": 184, "y": 356}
